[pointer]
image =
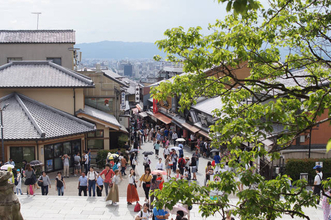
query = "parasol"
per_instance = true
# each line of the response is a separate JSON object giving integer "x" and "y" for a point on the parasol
{"x": 180, "y": 139}
{"x": 6, "y": 166}
{"x": 159, "y": 172}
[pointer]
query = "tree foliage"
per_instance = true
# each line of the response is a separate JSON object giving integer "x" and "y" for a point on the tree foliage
{"x": 274, "y": 101}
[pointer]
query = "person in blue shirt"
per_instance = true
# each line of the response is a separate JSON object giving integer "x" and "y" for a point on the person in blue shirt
{"x": 181, "y": 152}
{"x": 11, "y": 162}
{"x": 160, "y": 214}
{"x": 217, "y": 160}
{"x": 82, "y": 184}
{"x": 99, "y": 185}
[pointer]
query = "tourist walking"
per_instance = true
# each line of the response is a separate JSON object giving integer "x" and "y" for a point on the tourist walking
{"x": 60, "y": 184}
{"x": 166, "y": 151}
{"x": 146, "y": 182}
{"x": 133, "y": 160}
{"x": 193, "y": 165}
{"x": 86, "y": 162}
{"x": 77, "y": 160}
{"x": 29, "y": 178}
{"x": 144, "y": 213}
{"x": 82, "y": 185}
{"x": 157, "y": 180}
{"x": 108, "y": 175}
{"x": 91, "y": 180}
{"x": 19, "y": 182}
{"x": 317, "y": 182}
{"x": 157, "y": 148}
{"x": 132, "y": 194}
{"x": 174, "y": 137}
{"x": 159, "y": 165}
{"x": 66, "y": 163}
{"x": 45, "y": 183}
{"x": 168, "y": 164}
{"x": 123, "y": 165}
{"x": 174, "y": 157}
{"x": 197, "y": 155}
{"x": 113, "y": 193}
{"x": 99, "y": 185}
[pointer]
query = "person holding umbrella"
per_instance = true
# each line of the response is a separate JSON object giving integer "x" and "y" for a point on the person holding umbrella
{"x": 181, "y": 152}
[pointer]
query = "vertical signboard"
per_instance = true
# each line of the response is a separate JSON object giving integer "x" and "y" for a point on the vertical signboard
{"x": 123, "y": 101}
{"x": 137, "y": 94}
{"x": 155, "y": 109}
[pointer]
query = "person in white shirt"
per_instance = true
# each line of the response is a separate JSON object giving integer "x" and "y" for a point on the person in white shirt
{"x": 166, "y": 151}
{"x": 144, "y": 213}
{"x": 317, "y": 182}
{"x": 86, "y": 161}
{"x": 159, "y": 165}
{"x": 174, "y": 137}
{"x": 91, "y": 180}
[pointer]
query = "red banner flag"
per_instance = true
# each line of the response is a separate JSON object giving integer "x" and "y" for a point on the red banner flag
{"x": 155, "y": 109}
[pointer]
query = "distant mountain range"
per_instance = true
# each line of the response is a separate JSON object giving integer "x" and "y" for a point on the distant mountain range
{"x": 119, "y": 50}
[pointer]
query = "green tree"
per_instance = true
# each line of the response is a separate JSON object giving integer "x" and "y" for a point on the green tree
{"x": 273, "y": 96}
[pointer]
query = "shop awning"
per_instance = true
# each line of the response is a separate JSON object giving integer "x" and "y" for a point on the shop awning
{"x": 163, "y": 118}
{"x": 205, "y": 134}
{"x": 143, "y": 114}
{"x": 190, "y": 127}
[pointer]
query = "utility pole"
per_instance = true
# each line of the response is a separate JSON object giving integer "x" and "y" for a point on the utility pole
{"x": 37, "y": 13}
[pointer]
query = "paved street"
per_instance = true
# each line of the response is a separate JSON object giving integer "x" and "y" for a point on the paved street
{"x": 72, "y": 206}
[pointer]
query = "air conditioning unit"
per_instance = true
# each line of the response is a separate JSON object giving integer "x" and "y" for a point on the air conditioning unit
{"x": 302, "y": 138}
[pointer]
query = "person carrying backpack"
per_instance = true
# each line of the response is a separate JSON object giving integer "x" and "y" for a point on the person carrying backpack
{"x": 181, "y": 164}
{"x": 144, "y": 213}
{"x": 318, "y": 182}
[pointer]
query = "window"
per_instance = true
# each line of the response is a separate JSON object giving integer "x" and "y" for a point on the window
{"x": 103, "y": 104}
{"x": 95, "y": 144}
{"x": 18, "y": 154}
{"x": 10, "y": 59}
{"x": 93, "y": 141}
{"x": 56, "y": 60}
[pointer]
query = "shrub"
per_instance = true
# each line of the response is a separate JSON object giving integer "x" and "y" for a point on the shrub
{"x": 122, "y": 139}
{"x": 101, "y": 157}
{"x": 294, "y": 167}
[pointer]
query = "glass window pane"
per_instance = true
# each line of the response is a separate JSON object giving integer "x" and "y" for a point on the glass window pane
{"x": 49, "y": 151}
{"x": 16, "y": 153}
{"x": 95, "y": 143}
{"x": 58, "y": 163}
{"x": 57, "y": 150}
{"x": 76, "y": 147}
{"x": 28, "y": 153}
{"x": 67, "y": 148}
{"x": 99, "y": 133}
{"x": 49, "y": 165}
{"x": 91, "y": 134}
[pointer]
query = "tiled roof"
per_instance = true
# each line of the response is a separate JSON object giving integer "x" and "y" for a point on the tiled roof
{"x": 208, "y": 105}
{"x": 107, "y": 74}
{"x": 37, "y": 36}
{"x": 25, "y": 118}
{"x": 33, "y": 74}
{"x": 98, "y": 114}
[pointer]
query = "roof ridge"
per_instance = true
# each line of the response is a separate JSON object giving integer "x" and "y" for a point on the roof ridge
{"x": 64, "y": 114}
{"x": 28, "y": 113}
{"x": 71, "y": 73}
{"x": 3, "y": 98}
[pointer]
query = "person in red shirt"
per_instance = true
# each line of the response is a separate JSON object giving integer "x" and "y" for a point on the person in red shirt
{"x": 107, "y": 180}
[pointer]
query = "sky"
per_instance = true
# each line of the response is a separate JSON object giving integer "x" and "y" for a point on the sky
{"x": 113, "y": 20}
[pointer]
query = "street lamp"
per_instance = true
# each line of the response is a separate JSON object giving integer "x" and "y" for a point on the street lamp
{"x": 1, "y": 125}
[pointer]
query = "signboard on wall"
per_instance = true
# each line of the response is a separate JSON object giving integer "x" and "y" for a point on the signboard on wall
{"x": 122, "y": 101}
{"x": 137, "y": 99}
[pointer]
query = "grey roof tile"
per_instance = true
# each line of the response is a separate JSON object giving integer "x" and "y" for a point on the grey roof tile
{"x": 100, "y": 115}
{"x": 37, "y": 36}
{"x": 35, "y": 74}
{"x": 208, "y": 105}
{"x": 53, "y": 122}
